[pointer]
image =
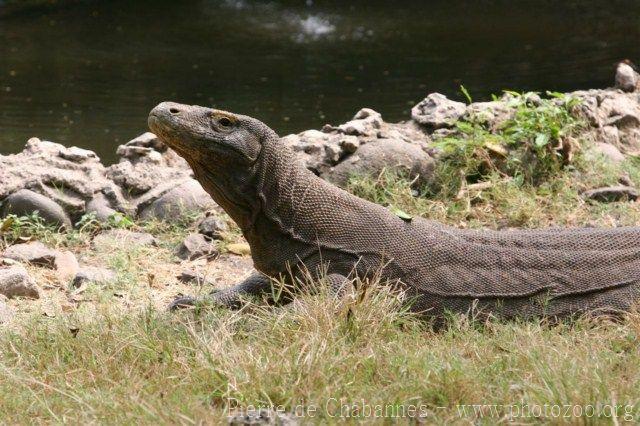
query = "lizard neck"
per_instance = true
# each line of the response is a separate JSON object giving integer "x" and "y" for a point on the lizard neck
{"x": 280, "y": 179}
{"x": 270, "y": 235}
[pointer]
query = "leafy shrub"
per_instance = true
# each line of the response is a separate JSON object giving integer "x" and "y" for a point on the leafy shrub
{"x": 534, "y": 144}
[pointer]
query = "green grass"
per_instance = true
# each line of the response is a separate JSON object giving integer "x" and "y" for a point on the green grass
{"x": 505, "y": 203}
{"x": 154, "y": 367}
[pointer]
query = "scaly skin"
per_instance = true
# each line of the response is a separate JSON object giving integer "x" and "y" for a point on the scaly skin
{"x": 297, "y": 223}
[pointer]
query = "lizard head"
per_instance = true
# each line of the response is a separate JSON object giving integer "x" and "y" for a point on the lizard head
{"x": 222, "y": 148}
{"x": 204, "y": 134}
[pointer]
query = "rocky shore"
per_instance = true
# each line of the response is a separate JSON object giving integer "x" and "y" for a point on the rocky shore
{"x": 67, "y": 186}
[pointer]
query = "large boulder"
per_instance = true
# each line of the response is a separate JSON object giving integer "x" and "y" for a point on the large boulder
{"x": 436, "y": 111}
{"x": 614, "y": 116}
{"x": 66, "y": 176}
{"x": 16, "y": 282}
{"x": 25, "y": 202}
{"x": 158, "y": 183}
{"x": 337, "y": 150}
{"x": 101, "y": 207}
{"x": 626, "y": 79}
{"x": 187, "y": 197}
{"x": 136, "y": 178}
{"x": 623, "y": 112}
{"x": 392, "y": 154}
{"x": 144, "y": 146}
{"x": 319, "y": 150}
{"x": 145, "y": 163}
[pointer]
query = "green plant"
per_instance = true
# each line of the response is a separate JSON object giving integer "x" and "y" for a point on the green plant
{"x": 120, "y": 221}
{"x": 14, "y": 227}
{"x": 532, "y": 145}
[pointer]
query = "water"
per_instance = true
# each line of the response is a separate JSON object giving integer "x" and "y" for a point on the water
{"x": 87, "y": 73}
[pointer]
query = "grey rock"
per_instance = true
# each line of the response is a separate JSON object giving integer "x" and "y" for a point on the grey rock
{"x": 188, "y": 197}
{"x": 621, "y": 110}
{"x": 26, "y": 202}
{"x": 320, "y": 151}
{"x": 369, "y": 115}
{"x": 333, "y": 153}
{"x": 16, "y": 282}
{"x": 588, "y": 107}
{"x": 66, "y": 265}
{"x": 436, "y": 111}
{"x": 124, "y": 236}
{"x": 33, "y": 252}
{"x": 349, "y": 144}
{"x": 609, "y": 135}
{"x": 196, "y": 246}
{"x": 493, "y": 113}
{"x": 609, "y": 151}
{"x": 612, "y": 194}
{"x": 101, "y": 207}
{"x": 95, "y": 275}
{"x": 146, "y": 145}
{"x": 366, "y": 122}
{"x": 372, "y": 157}
{"x": 146, "y": 164}
{"x": 135, "y": 152}
{"x": 66, "y": 176}
{"x": 6, "y": 313}
{"x": 77, "y": 155}
{"x": 630, "y": 141}
{"x": 317, "y": 150}
{"x": 117, "y": 199}
{"x": 148, "y": 140}
{"x": 310, "y": 142}
{"x": 213, "y": 227}
{"x": 626, "y": 78}
{"x": 136, "y": 178}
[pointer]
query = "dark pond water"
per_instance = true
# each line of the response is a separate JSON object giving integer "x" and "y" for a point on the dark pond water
{"x": 87, "y": 73}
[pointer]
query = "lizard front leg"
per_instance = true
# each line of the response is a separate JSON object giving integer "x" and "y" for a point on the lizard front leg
{"x": 256, "y": 284}
{"x": 339, "y": 285}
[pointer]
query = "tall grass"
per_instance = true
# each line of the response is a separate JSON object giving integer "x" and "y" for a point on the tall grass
{"x": 314, "y": 358}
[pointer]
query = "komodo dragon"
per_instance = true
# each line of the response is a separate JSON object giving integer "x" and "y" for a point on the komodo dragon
{"x": 294, "y": 222}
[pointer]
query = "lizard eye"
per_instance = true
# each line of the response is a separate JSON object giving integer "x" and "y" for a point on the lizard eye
{"x": 224, "y": 122}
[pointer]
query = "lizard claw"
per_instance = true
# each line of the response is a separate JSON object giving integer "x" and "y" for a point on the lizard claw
{"x": 181, "y": 303}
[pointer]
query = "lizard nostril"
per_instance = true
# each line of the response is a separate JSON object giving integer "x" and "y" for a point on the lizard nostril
{"x": 174, "y": 110}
